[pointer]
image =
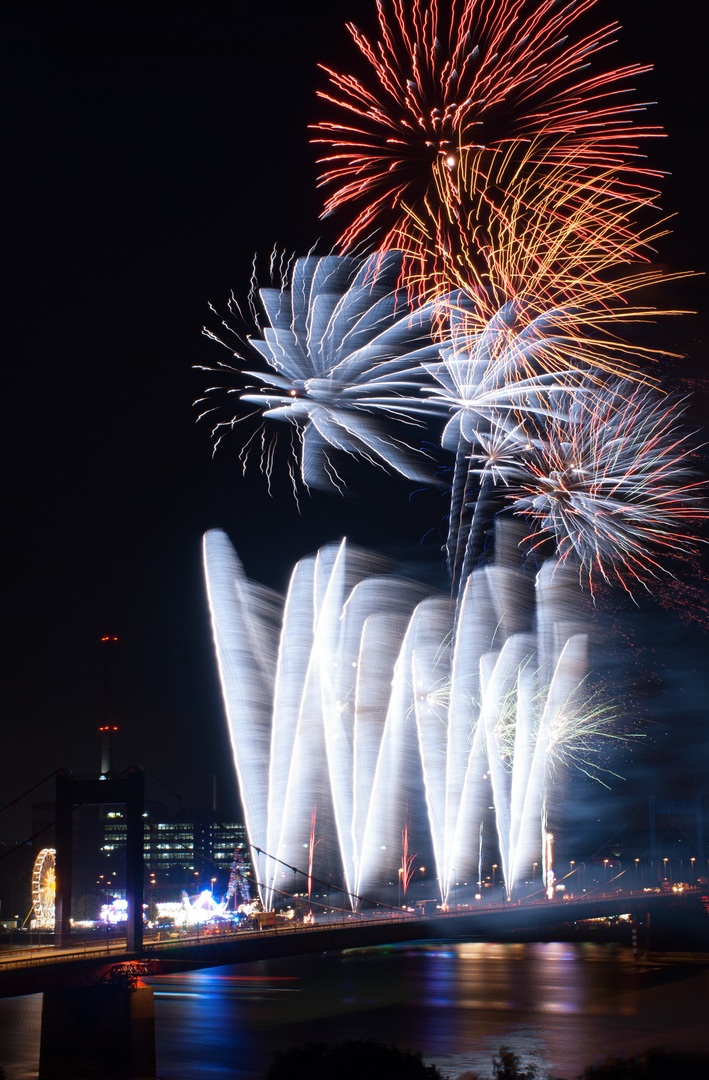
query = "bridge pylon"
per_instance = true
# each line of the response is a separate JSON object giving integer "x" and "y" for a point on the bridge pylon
{"x": 72, "y": 791}
{"x": 98, "y": 1032}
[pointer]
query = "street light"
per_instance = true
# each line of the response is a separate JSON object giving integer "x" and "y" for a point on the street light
{"x": 665, "y": 868}
{"x": 691, "y": 871}
{"x": 151, "y": 902}
{"x": 605, "y": 881}
{"x": 494, "y": 868}
{"x": 103, "y": 885}
{"x": 534, "y": 871}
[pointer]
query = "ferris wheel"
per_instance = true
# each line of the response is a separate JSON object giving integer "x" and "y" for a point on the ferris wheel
{"x": 43, "y": 887}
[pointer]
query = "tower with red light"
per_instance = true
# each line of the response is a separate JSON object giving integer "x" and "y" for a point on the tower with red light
{"x": 108, "y": 728}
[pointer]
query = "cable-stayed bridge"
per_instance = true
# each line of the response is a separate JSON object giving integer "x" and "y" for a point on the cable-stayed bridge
{"x": 92, "y": 962}
{"x": 95, "y": 996}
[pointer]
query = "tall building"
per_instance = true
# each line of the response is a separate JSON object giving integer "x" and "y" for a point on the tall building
{"x": 186, "y": 854}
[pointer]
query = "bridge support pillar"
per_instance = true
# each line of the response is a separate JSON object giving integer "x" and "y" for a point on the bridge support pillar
{"x": 98, "y": 1033}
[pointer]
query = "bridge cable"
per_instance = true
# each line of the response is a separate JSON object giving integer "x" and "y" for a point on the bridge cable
{"x": 320, "y": 881}
{"x": 13, "y": 802}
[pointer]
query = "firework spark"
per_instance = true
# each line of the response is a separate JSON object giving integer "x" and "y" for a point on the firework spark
{"x": 519, "y": 222}
{"x": 452, "y": 78}
{"x": 575, "y": 733}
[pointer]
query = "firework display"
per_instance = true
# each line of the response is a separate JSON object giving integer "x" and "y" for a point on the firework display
{"x": 484, "y": 299}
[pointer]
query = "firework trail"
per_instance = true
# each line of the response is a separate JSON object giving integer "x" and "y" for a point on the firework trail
{"x": 446, "y": 79}
{"x": 407, "y": 861}
{"x": 471, "y": 382}
{"x": 394, "y": 710}
{"x": 312, "y": 844}
{"x": 613, "y": 484}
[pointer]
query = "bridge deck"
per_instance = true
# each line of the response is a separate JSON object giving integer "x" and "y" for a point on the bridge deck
{"x": 30, "y": 971}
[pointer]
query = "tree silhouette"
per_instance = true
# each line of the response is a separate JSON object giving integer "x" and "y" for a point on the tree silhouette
{"x": 506, "y": 1066}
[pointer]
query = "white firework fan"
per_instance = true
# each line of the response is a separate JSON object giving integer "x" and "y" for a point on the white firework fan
{"x": 345, "y": 354}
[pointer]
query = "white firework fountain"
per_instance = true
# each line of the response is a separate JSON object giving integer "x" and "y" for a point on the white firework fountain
{"x": 364, "y": 707}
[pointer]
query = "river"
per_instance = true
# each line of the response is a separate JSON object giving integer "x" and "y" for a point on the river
{"x": 562, "y": 1006}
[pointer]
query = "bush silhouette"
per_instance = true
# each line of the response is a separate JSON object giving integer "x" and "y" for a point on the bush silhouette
{"x": 368, "y": 1059}
{"x": 355, "y": 1059}
{"x": 654, "y": 1064}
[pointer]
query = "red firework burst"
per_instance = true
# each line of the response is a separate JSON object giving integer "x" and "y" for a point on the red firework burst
{"x": 470, "y": 75}
{"x": 612, "y": 484}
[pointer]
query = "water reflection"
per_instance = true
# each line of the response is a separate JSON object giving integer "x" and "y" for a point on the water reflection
{"x": 20, "y": 1020}
{"x": 560, "y": 1005}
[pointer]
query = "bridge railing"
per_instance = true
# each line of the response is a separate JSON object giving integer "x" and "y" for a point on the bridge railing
{"x": 38, "y": 955}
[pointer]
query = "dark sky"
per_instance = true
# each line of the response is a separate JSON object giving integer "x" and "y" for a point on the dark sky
{"x": 149, "y": 151}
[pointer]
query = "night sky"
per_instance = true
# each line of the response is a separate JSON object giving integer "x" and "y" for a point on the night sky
{"x": 150, "y": 150}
